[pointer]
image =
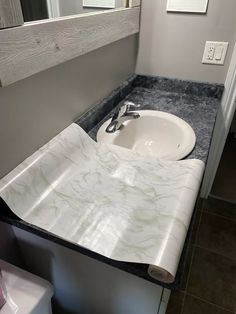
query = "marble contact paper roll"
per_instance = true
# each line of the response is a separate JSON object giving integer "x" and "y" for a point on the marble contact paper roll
{"x": 107, "y": 199}
{"x": 160, "y": 274}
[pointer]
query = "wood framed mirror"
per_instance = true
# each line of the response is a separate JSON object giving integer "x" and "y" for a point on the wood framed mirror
{"x": 31, "y": 47}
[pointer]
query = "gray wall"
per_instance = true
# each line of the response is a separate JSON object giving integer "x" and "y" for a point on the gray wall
{"x": 34, "y": 110}
{"x": 172, "y": 44}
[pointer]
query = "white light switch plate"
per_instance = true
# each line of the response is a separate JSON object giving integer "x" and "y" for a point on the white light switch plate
{"x": 215, "y": 52}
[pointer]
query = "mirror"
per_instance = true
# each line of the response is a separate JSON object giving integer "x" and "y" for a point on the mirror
{"x": 47, "y": 42}
{"x": 34, "y": 10}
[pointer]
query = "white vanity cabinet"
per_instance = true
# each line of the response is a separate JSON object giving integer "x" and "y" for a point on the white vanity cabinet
{"x": 86, "y": 285}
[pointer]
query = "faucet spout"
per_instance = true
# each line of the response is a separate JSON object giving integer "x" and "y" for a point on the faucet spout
{"x": 122, "y": 115}
{"x": 112, "y": 127}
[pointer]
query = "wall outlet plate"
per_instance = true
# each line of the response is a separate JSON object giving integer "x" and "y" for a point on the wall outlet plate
{"x": 215, "y": 52}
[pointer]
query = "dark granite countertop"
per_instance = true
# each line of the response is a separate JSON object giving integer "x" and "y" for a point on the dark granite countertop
{"x": 195, "y": 102}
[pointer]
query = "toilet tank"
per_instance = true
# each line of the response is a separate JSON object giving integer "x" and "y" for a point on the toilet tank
{"x": 26, "y": 293}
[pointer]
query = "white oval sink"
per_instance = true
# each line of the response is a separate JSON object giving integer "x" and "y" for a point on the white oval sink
{"x": 155, "y": 133}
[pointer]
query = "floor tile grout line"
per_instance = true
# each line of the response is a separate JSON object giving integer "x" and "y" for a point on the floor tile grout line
{"x": 190, "y": 268}
{"x": 208, "y": 302}
{"x": 214, "y": 252}
{"x": 219, "y": 198}
{"x": 218, "y": 215}
{"x": 186, "y": 290}
{"x": 182, "y": 305}
{"x": 191, "y": 261}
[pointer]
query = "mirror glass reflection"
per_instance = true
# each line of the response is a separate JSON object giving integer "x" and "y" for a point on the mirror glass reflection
{"x": 34, "y": 10}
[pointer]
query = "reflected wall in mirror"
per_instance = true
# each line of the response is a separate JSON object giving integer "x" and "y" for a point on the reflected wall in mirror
{"x": 34, "y": 10}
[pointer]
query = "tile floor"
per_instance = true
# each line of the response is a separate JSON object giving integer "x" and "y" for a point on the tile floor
{"x": 211, "y": 279}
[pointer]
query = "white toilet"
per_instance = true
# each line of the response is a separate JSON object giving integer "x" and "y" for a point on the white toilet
{"x": 26, "y": 293}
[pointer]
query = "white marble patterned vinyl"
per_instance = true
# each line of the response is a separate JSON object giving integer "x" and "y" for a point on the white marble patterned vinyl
{"x": 107, "y": 199}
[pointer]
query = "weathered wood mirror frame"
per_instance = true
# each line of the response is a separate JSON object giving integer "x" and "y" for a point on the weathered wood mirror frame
{"x": 29, "y": 48}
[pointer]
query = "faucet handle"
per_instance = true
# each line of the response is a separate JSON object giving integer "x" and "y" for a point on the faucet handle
{"x": 130, "y": 106}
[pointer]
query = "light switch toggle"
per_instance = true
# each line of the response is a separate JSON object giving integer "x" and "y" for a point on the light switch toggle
{"x": 219, "y": 53}
{"x": 215, "y": 52}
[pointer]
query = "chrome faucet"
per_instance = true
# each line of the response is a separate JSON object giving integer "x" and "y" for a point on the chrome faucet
{"x": 124, "y": 113}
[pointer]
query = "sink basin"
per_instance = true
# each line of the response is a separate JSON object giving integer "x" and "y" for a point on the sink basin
{"x": 155, "y": 133}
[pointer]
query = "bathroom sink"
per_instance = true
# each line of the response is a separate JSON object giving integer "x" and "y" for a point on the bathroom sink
{"x": 155, "y": 133}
